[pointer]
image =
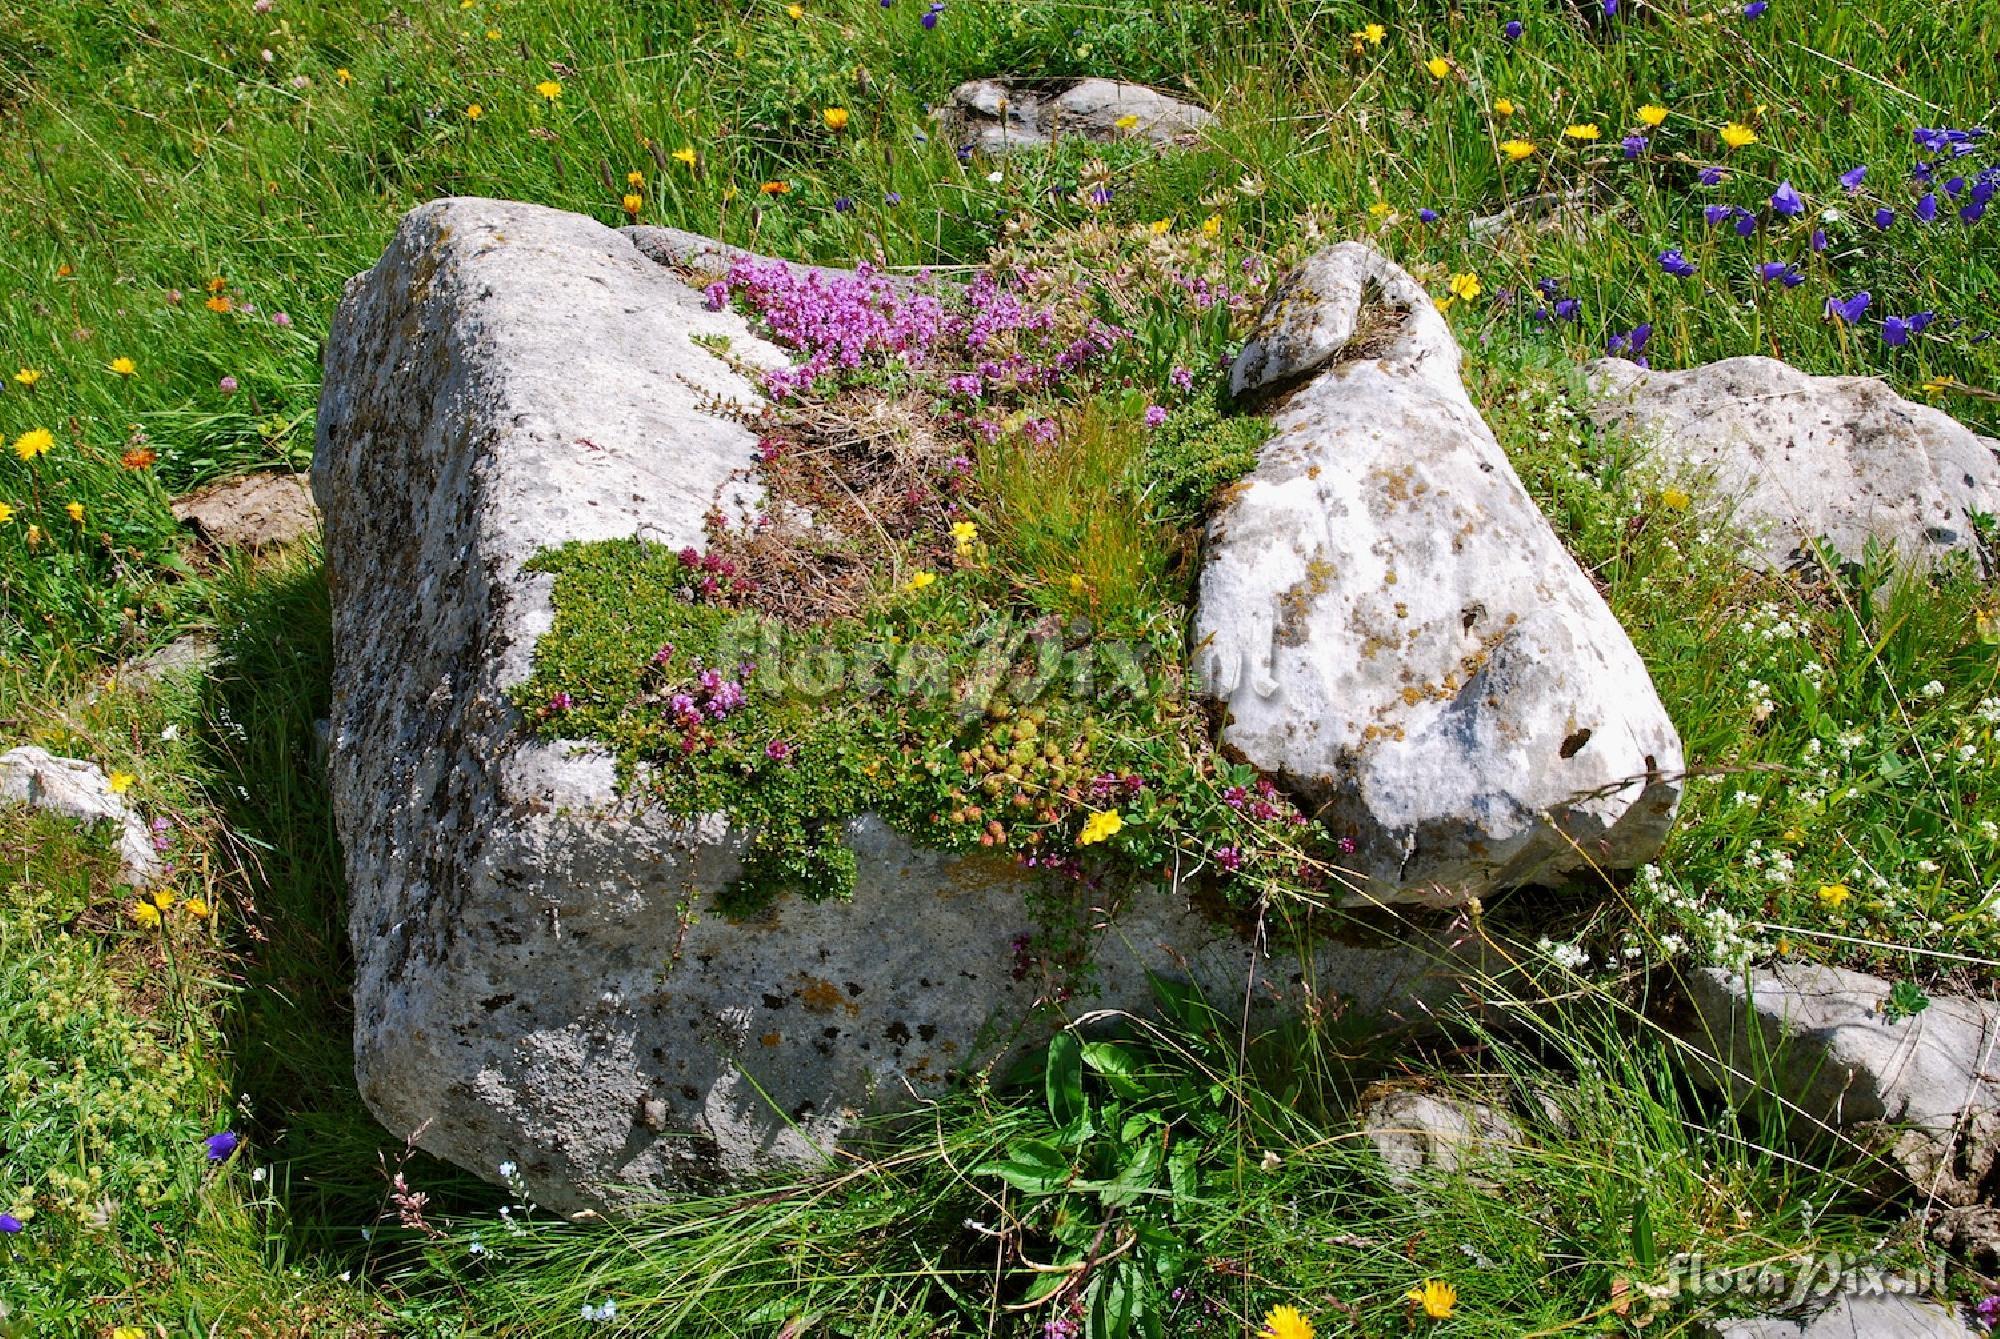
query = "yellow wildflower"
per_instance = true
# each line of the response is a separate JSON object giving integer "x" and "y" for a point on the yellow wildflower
{"x": 795, "y": 12}
{"x": 124, "y": 367}
{"x": 1736, "y": 136}
{"x": 1379, "y": 210}
{"x": 1652, "y": 114}
{"x": 549, "y": 89}
{"x": 474, "y": 112}
{"x": 1099, "y": 826}
{"x": 343, "y": 76}
{"x": 1938, "y": 385}
{"x": 1373, "y": 33}
{"x": 963, "y": 533}
{"x": 1439, "y": 67}
{"x": 1833, "y": 894}
{"x": 121, "y": 782}
{"x": 147, "y": 915}
{"x": 1161, "y": 227}
{"x": 492, "y": 34}
{"x": 684, "y": 156}
{"x": 635, "y": 179}
{"x": 1127, "y": 123}
{"x": 196, "y": 909}
{"x": 1076, "y": 583}
{"x": 835, "y": 118}
{"x": 164, "y": 899}
{"x": 34, "y": 442}
{"x": 632, "y": 205}
{"x": 75, "y": 510}
{"x": 1587, "y": 131}
{"x": 1675, "y": 499}
{"x": 1285, "y": 1322}
{"x": 1466, "y": 286}
{"x": 28, "y": 376}
{"x": 920, "y": 580}
{"x": 128, "y": 1332}
{"x": 1437, "y": 1298}
{"x": 1517, "y": 149}
{"x": 6, "y": 513}
{"x": 1503, "y": 107}
{"x": 1211, "y": 225}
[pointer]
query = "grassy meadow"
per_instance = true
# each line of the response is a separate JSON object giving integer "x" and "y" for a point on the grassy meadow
{"x": 189, "y": 183}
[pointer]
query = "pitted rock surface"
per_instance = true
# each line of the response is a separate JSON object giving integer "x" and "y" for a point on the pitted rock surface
{"x": 1790, "y": 458}
{"x": 1394, "y": 630}
{"x": 543, "y": 976}
{"x": 1003, "y": 116}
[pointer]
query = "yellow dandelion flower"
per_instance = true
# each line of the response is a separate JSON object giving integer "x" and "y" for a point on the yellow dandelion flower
{"x": 1466, "y": 286}
{"x": 632, "y": 204}
{"x": 121, "y": 782}
{"x": 28, "y": 376}
{"x": 1737, "y": 136}
{"x": 1517, "y": 149}
{"x": 920, "y": 580}
{"x": 635, "y": 179}
{"x": 684, "y": 156}
{"x": 164, "y": 899}
{"x": 1652, "y": 114}
{"x": 343, "y": 76}
{"x": 1439, "y": 67}
{"x": 6, "y": 513}
{"x": 75, "y": 510}
{"x": 549, "y": 89}
{"x": 34, "y": 442}
{"x": 835, "y": 118}
{"x": 1503, "y": 107}
{"x": 492, "y": 34}
{"x": 1586, "y": 131}
{"x": 1833, "y": 894}
{"x": 474, "y": 112}
{"x": 1128, "y": 124}
{"x": 1285, "y": 1322}
{"x": 1436, "y": 1297}
{"x": 146, "y": 914}
{"x": 1373, "y": 33}
{"x": 1099, "y": 826}
{"x": 124, "y": 367}
{"x": 795, "y": 12}
{"x": 1211, "y": 225}
{"x": 1675, "y": 499}
{"x": 196, "y": 909}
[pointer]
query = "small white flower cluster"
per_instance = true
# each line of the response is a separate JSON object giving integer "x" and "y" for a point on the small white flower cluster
{"x": 1768, "y": 623}
{"x": 1761, "y": 704}
{"x": 606, "y": 1311}
{"x": 1573, "y": 957}
{"x": 1719, "y": 932}
{"x": 1775, "y": 863}
{"x": 1988, "y": 710}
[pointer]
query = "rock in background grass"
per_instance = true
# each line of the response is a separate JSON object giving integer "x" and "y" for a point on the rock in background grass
{"x": 1789, "y": 458}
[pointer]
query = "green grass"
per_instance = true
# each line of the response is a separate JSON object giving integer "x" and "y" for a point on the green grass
{"x": 150, "y": 149}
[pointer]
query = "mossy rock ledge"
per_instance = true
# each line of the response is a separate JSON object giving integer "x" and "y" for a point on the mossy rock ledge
{"x": 543, "y": 973}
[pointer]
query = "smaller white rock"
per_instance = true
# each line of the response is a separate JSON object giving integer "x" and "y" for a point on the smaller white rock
{"x": 79, "y": 790}
{"x": 1002, "y": 116}
{"x": 1418, "y": 1132}
{"x": 1857, "y": 1316}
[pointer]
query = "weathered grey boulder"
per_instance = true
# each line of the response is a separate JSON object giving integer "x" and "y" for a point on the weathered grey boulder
{"x": 1922, "y": 1090}
{"x": 1791, "y": 458}
{"x": 251, "y": 511}
{"x": 542, "y": 974}
{"x": 1395, "y": 630}
{"x": 1002, "y": 116}
{"x": 1417, "y": 1132}
{"x": 79, "y": 790}
{"x": 1852, "y": 1315}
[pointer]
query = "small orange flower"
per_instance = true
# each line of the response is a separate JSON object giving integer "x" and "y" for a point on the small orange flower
{"x": 776, "y": 188}
{"x": 632, "y": 204}
{"x": 138, "y": 458}
{"x": 220, "y": 303}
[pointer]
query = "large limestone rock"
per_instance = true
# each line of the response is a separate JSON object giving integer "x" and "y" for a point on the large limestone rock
{"x": 542, "y": 976}
{"x": 1395, "y": 631}
{"x": 1003, "y": 116}
{"x": 1791, "y": 458}
{"x": 80, "y": 790}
